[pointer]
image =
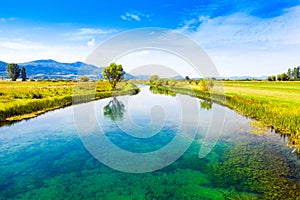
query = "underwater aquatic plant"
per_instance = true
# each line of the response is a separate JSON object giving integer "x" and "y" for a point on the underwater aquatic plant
{"x": 257, "y": 168}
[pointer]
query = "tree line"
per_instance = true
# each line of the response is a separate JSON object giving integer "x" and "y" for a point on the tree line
{"x": 290, "y": 75}
{"x": 205, "y": 84}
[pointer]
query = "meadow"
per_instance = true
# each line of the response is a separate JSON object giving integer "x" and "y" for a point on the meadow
{"x": 21, "y": 100}
{"x": 285, "y": 92}
{"x": 273, "y": 104}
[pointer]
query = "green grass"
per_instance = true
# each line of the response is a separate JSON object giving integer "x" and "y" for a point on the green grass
{"x": 286, "y": 93}
{"x": 274, "y": 104}
{"x": 20, "y": 100}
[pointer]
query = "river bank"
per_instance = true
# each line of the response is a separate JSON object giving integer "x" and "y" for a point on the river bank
{"x": 274, "y": 104}
{"x": 24, "y": 100}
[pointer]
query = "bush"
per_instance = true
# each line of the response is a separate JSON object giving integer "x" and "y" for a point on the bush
{"x": 206, "y": 84}
{"x": 84, "y": 79}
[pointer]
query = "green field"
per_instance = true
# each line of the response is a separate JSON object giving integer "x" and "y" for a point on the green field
{"x": 20, "y": 100}
{"x": 285, "y": 92}
{"x": 273, "y": 104}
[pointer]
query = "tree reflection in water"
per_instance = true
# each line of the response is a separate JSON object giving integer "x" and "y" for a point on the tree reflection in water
{"x": 114, "y": 109}
{"x": 205, "y": 104}
{"x": 158, "y": 90}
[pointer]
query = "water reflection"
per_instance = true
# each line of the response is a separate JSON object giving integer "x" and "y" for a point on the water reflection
{"x": 114, "y": 109}
{"x": 158, "y": 90}
{"x": 206, "y": 104}
{"x": 240, "y": 166}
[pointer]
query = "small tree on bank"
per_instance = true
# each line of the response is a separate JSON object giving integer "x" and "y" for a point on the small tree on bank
{"x": 206, "y": 84}
{"x": 23, "y": 76}
{"x": 114, "y": 73}
{"x": 84, "y": 79}
{"x": 272, "y": 78}
{"x": 13, "y": 71}
{"x": 153, "y": 79}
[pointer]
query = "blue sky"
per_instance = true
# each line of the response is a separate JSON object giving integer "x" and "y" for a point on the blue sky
{"x": 241, "y": 37}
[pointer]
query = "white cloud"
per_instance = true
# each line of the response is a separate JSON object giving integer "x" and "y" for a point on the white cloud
{"x": 20, "y": 50}
{"x": 129, "y": 16}
{"x": 162, "y": 63}
{"x": 3, "y": 20}
{"x": 91, "y": 42}
{"x": 240, "y": 44}
{"x": 84, "y": 34}
{"x": 203, "y": 18}
{"x": 134, "y": 16}
{"x": 94, "y": 31}
{"x": 18, "y": 44}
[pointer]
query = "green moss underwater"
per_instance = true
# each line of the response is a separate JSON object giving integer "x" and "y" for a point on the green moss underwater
{"x": 244, "y": 171}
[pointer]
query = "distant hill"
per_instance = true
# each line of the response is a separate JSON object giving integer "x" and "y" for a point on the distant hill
{"x": 48, "y": 69}
{"x": 142, "y": 77}
{"x": 136, "y": 77}
{"x": 51, "y": 69}
{"x": 3, "y": 73}
{"x": 243, "y": 78}
{"x": 129, "y": 77}
{"x": 178, "y": 77}
{"x": 2, "y": 65}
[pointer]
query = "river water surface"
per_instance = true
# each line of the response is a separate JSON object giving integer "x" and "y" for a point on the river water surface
{"x": 49, "y": 157}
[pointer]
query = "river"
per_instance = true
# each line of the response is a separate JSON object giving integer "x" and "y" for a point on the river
{"x": 154, "y": 145}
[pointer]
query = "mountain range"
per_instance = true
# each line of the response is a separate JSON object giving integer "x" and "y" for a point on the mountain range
{"x": 51, "y": 69}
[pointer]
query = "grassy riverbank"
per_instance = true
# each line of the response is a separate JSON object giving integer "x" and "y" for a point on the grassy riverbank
{"x": 274, "y": 104}
{"x": 21, "y": 100}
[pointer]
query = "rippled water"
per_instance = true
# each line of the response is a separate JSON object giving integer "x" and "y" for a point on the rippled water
{"x": 46, "y": 158}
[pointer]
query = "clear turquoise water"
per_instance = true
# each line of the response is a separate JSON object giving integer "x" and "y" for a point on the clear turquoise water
{"x": 44, "y": 158}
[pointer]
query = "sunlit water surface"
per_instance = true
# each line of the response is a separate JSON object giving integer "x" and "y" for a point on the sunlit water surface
{"x": 44, "y": 157}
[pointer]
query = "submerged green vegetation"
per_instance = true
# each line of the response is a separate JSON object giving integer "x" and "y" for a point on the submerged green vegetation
{"x": 228, "y": 172}
{"x": 274, "y": 104}
{"x": 20, "y": 100}
{"x": 256, "y": 167}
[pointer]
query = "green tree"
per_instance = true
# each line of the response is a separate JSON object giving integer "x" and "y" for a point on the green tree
{"x": 206, "y": 84}
{"x": 279, "y": 77}
{"x": 13, "y": 71}
{"x": 153, "y": 79}
{"x": 84, "y": 79}
{"x": 23, "y": 76}
{"x": 296, "y": 73}
{"x": 285, "y": 77}
{"x": 273, "y": 78}
{"x": 289, "y": 73}
{"x": 114, "y": 73}
{"x": 269, "y": 78}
